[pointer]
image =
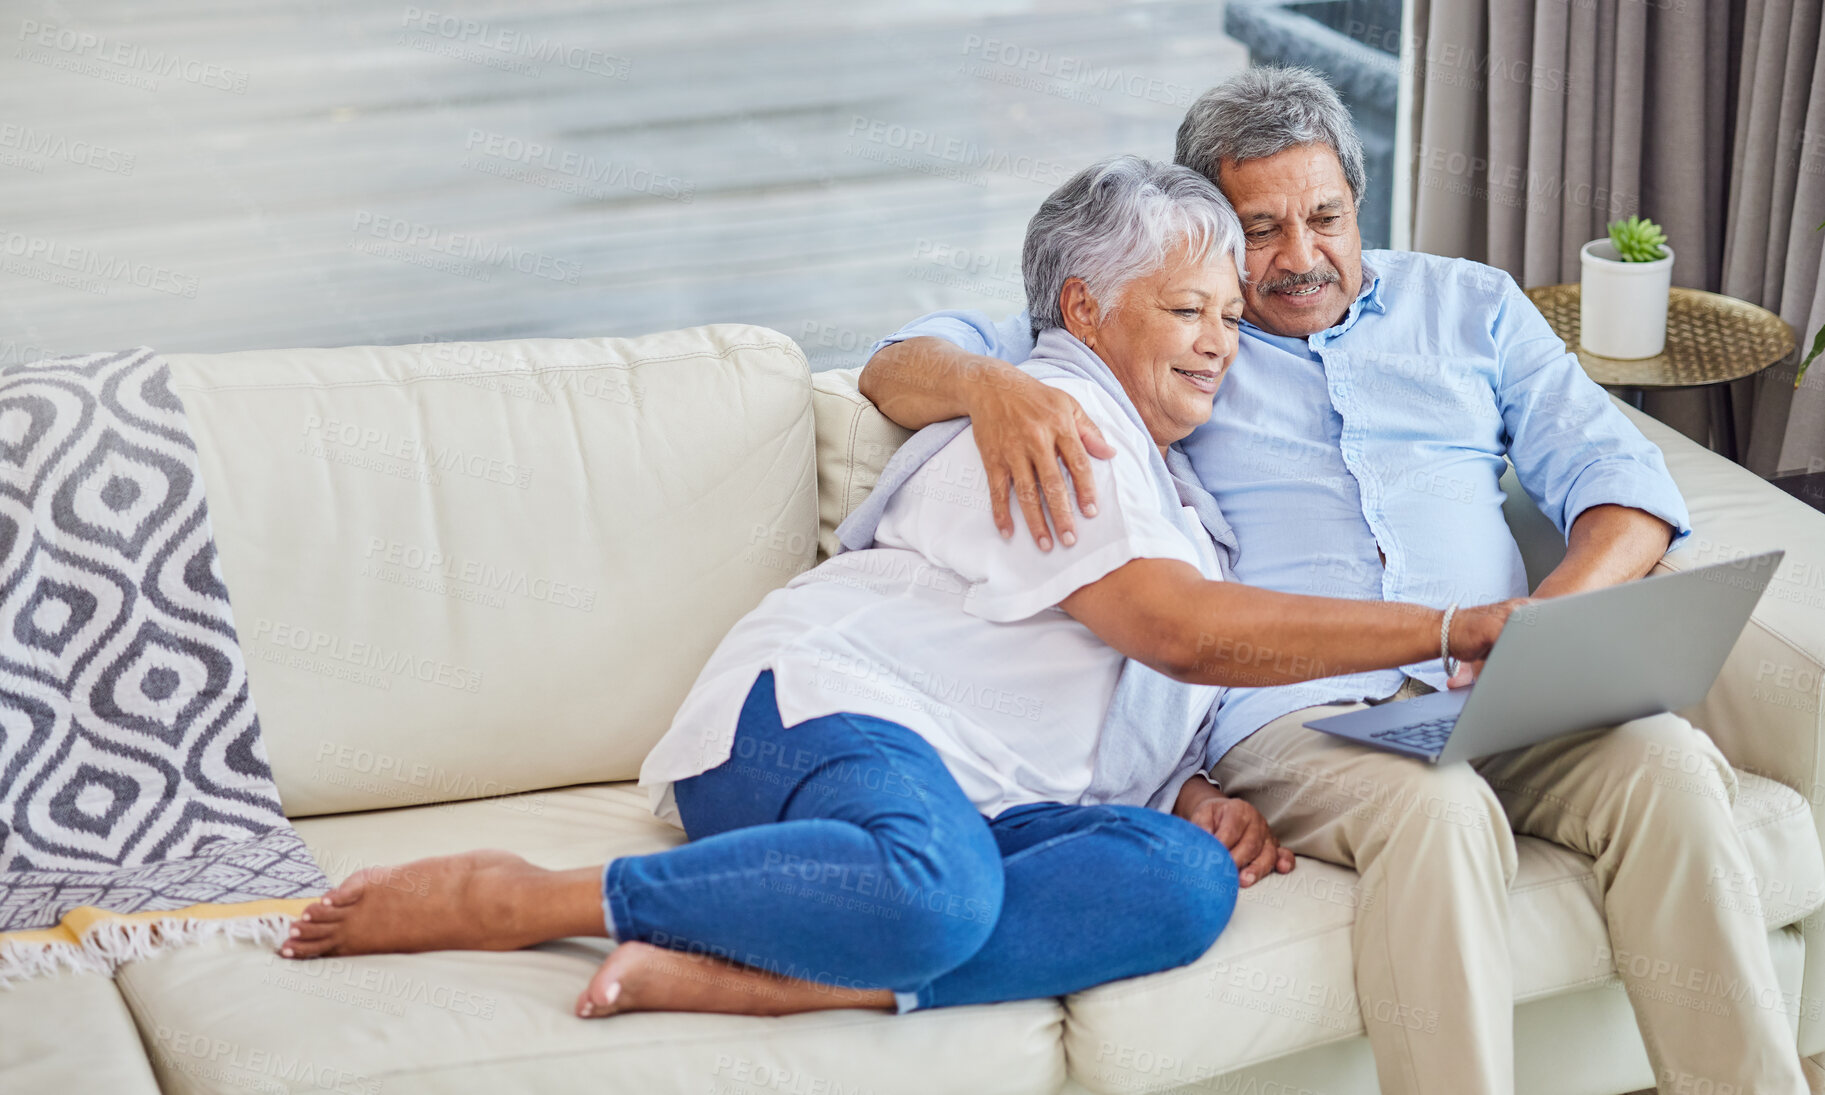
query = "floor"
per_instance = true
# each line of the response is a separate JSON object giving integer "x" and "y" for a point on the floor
{"x": 1808, "y": 487}
{"x": 209, "y": 175}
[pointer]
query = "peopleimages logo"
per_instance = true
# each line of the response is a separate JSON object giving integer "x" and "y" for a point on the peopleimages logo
{"x": 513, "y": 50}
{"x": 486, "y": 576}
{"x": 570, "y": 165}
{"x": 416, "y": 451}
{"x": 23, "y": 146}
{"x": 462, "y": 247}
{"x": 128, "y": 58}
{"x": 234, "y": 1065}
{"x": 1079, "y": 75}
{"x": 892, "y": 141}
{"x": 86, "y": 262}
{"x": 382, "y": 659}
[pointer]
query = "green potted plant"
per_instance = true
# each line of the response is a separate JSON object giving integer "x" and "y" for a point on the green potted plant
{"x": 1626, "y": 276}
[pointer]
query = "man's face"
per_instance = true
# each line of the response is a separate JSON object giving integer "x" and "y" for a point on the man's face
{"x": 1304, "y": 246}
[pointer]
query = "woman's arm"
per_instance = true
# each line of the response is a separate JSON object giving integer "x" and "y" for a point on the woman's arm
{"x": 1165, "y": 615}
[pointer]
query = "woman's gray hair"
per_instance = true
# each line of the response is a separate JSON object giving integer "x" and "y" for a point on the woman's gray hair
{"x": 1118, "y": 220}
{"x": 1265, "y": 111}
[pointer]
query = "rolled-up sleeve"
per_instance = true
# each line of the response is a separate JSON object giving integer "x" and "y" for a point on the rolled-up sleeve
{"x": 1571, "y": 448}
{"x": 1011, "y": 340}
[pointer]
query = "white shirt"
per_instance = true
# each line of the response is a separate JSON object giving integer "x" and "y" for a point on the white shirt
{"x": 950, "y": 630}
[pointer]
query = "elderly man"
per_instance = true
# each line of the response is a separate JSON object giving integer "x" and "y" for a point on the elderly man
{"x": 1356, "y": 448}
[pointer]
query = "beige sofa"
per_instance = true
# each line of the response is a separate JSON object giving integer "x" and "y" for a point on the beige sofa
{"x": 474, "y": 580}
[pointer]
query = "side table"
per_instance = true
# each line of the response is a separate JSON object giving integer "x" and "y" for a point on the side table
{"x": 1711, "y": 340}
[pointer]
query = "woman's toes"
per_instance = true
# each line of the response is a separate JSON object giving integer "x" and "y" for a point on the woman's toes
{"x": 355, "y": 885}
{"x": 606, "y": 992}
{"x": 307, "y": 931}
{"x": 309, "y": 939}
{"x": 319, "y": 913}
{"x": 598, "y": 999}
{"x": 307, "y": 948}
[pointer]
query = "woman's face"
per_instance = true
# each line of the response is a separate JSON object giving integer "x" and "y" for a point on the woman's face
{"x": 1169, "y": 338}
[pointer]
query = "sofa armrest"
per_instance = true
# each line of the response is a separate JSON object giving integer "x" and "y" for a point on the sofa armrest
{"x": 1764, "y": 711}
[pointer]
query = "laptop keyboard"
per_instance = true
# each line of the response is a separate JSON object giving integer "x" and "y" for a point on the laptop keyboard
{"x": 1427, "y": 737}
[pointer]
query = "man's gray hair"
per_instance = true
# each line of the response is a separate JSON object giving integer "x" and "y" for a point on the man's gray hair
{"x": 1265, "y": 111}
{"x": 1118, "y": 220}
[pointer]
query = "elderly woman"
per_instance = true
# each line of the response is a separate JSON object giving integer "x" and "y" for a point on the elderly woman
{"x": 919, "y": 775}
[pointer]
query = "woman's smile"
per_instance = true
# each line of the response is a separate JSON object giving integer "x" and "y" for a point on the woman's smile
{"x": 1204, "y": 380}
{"x": 1169, "y": 337}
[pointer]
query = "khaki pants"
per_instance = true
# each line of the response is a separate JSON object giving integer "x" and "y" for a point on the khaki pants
{"x": 1434, "y": 846}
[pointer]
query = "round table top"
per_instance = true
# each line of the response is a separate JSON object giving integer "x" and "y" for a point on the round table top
{"x": 1711, "y": 339}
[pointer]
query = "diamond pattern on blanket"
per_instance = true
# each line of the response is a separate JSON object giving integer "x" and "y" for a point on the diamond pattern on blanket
{"x": 132, "y": 775}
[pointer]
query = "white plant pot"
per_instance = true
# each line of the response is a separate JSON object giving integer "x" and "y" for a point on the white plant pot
{"x": 1622, "y": 306}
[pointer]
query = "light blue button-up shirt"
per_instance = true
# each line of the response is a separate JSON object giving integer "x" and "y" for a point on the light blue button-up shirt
{"x": 1385, "y": 437}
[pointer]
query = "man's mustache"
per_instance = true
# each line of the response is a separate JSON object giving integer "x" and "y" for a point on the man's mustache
{"x": 1322, "y": 276}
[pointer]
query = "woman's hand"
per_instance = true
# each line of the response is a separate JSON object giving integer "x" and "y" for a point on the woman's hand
{"x": 1238, "y": 825}
{"x": 1474, "y": 631}
{"x": 1024, "y": 427}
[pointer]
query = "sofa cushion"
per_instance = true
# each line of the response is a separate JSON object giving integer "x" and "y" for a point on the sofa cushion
{"x": 468, "y": 569}
{"x": 67, "y": 1034}
{"x": 854, "y": 441}
{"x": 1766, "y": 710}
{"x": 232, "y": 1018}
{"x": 1281, "y": 978}
{"x": 1581, "y": 1042}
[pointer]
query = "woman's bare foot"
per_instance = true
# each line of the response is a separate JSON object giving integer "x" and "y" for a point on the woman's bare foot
{"x": 642, "y": 977}
{"x": 473, "y": 901}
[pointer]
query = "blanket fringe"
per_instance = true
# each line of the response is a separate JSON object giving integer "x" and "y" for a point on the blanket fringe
{"x": 111, "y": 943}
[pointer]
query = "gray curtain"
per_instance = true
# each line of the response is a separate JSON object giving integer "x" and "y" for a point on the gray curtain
{"x": 1537, "y": 122}
{"x": 1777, "y": 200}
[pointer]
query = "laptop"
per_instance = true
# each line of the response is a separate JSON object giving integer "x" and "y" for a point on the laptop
{"x": 1578, "y": 662}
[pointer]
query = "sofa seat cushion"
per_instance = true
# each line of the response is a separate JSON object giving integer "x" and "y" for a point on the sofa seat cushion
{"x": 233, "y": 1018}
{"x": 68, "y": 1034}
{"x": 1281, "y": 978}
{"x": 572, "y": 827}
{"x": 1787, "y": 867}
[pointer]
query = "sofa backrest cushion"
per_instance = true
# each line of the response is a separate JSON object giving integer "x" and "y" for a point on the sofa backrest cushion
{"x": 854, "y": 441}
{"x": 472, "y": 569}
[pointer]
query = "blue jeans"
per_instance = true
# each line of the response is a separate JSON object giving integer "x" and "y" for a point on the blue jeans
{"x": 842, "y": 851}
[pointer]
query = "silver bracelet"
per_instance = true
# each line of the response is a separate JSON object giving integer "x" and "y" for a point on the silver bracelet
{"x": 1444, "y": 642}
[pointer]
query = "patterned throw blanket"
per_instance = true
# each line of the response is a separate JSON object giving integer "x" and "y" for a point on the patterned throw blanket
{"x": 137, "y": 808}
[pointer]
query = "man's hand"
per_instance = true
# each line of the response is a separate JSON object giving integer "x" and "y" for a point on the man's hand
{"x": 1024, "y": 427}
{"x": 1466, "y": 675}
{"x": 1238, "y": 825}
{"x": 1474, "y": 631}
